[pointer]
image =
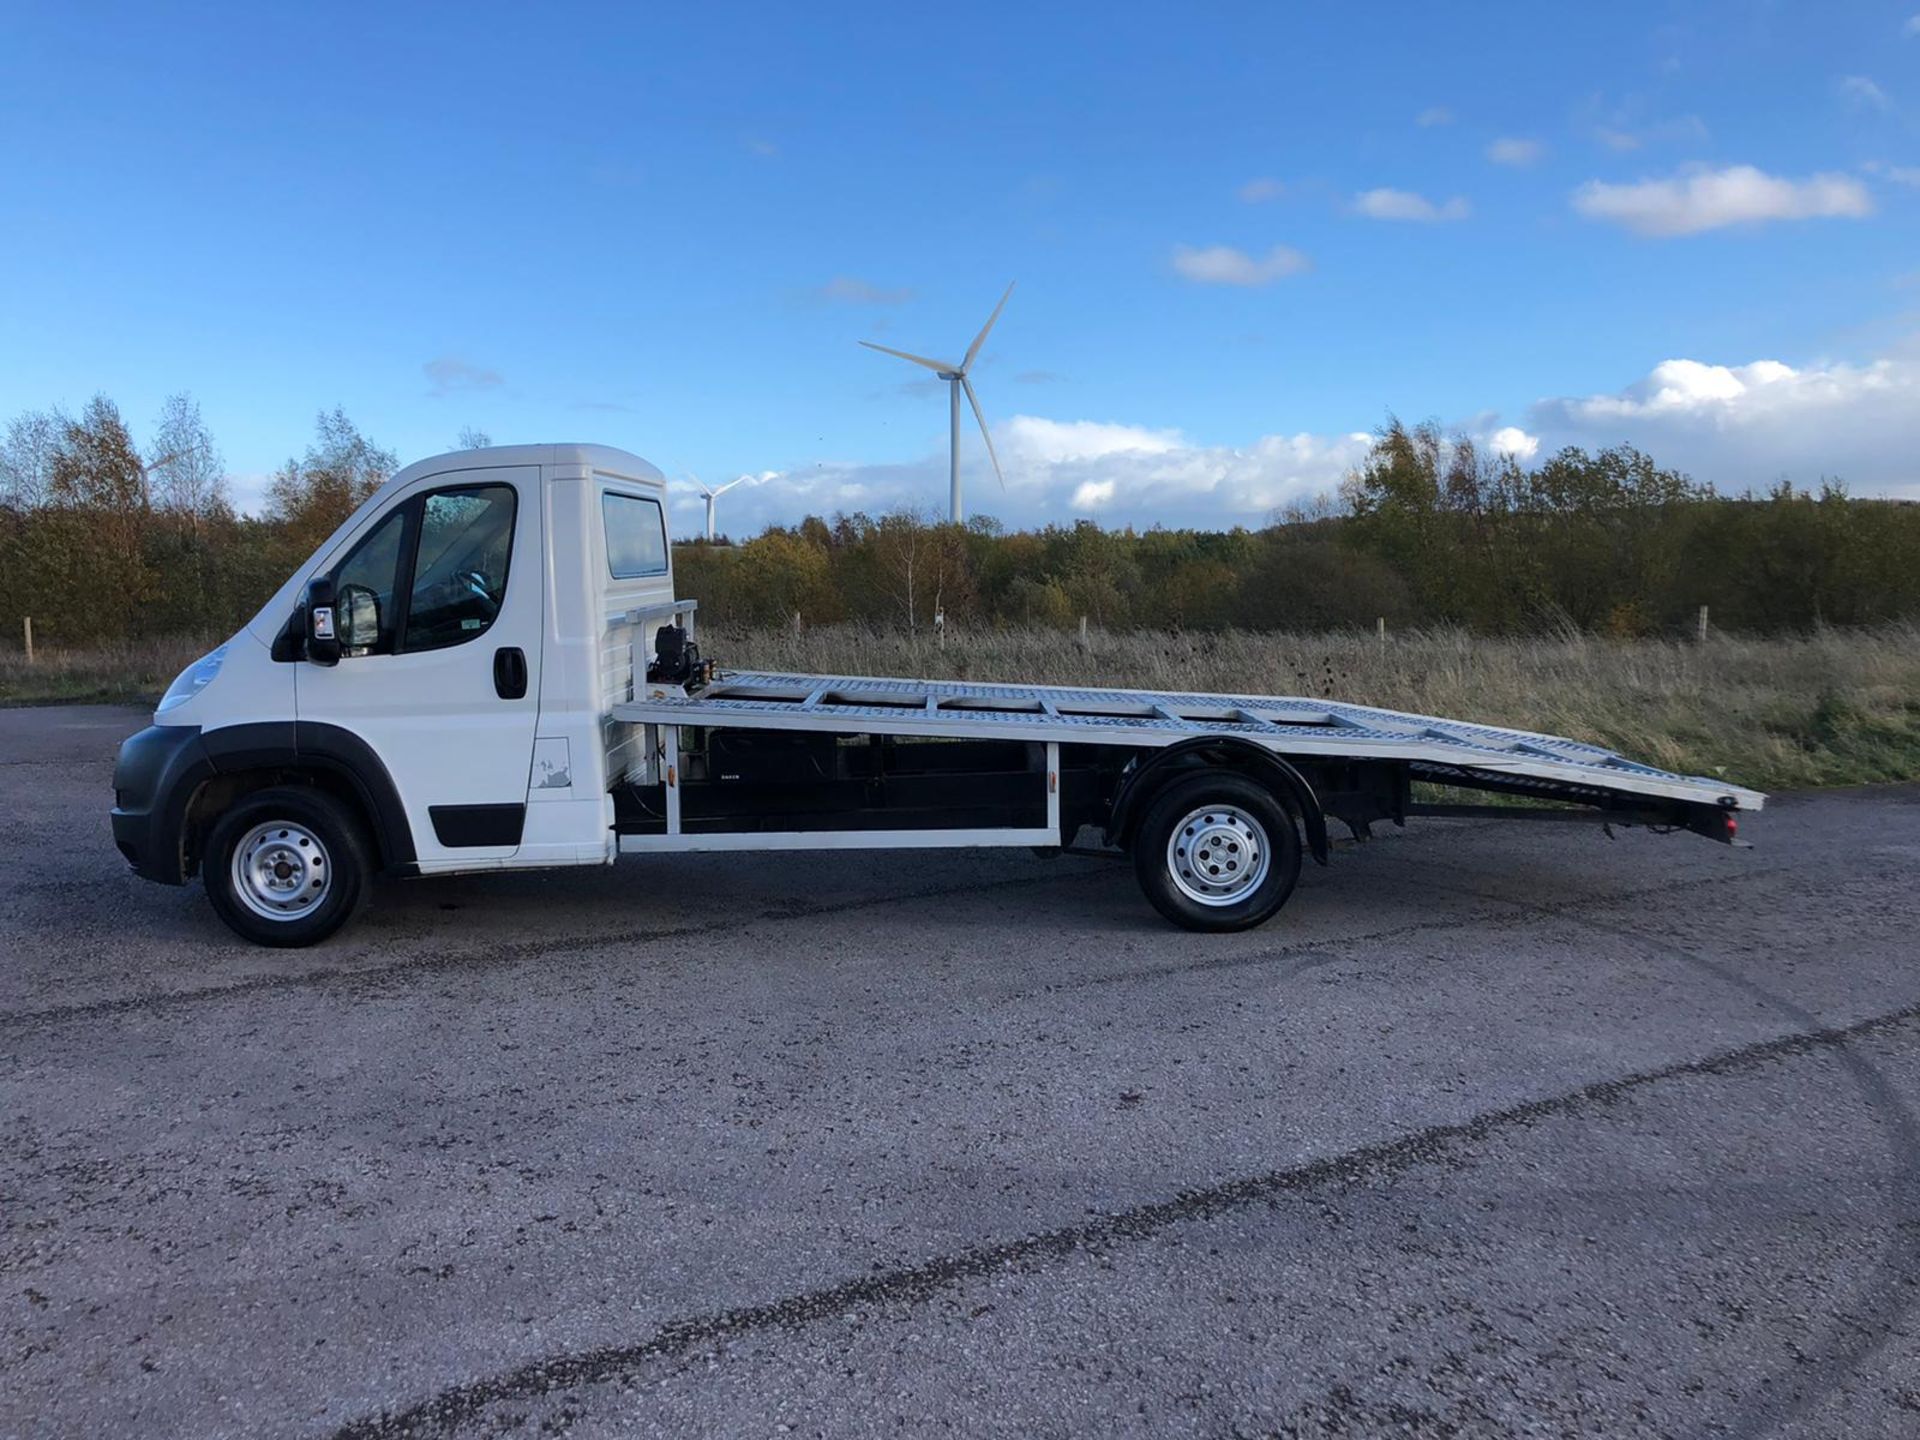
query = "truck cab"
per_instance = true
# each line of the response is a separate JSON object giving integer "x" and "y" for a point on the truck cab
{"x": 429, "y": 693}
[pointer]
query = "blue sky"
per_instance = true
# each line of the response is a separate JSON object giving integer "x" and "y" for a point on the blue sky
{"x": 1242, "y": 235}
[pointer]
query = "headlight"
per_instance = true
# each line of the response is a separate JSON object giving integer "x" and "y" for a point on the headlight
{"x": 192, "y": 680}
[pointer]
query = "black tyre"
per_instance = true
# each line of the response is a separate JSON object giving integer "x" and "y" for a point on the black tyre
{"x": 287, "y": 866}
{"x": 1217, "y": 851}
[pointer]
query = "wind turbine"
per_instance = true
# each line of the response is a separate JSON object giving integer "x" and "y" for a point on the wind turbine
{"x": 956, "y": 378}
{"x": 714, "y": 494}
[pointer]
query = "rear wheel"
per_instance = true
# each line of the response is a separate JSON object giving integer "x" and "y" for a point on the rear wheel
{"x": 287, "y": 866}
{"x": 1217, "y": 851}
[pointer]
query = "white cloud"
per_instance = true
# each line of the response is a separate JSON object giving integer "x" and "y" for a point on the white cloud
{"x": 1859, "y": 90}
{"x": 1056, "y": 442}
{"x": 1159, "y": 475}
{"x": 1224, "y": 265}
{"x": 1515, "y": 150}
{"x": 1624, "y": 125}
{"x": 1708, "y": 199}
{"x": 1747, "y": 425}
{"x": 1899, "y": 174}
{"x": 1512, "y": 440}
{"x": 1386, "y": 204}
{"x": 1433, "y": 115}
{"x": 1912, "y": 27}
{"x": 250, "y": 490}
{"x": 1677, "y": 385}
{"x": 850, "y": 290}
{"x": 450, "y": 374}
{"x": 1057, "y": 469}
{"x": 1257, "y": 192}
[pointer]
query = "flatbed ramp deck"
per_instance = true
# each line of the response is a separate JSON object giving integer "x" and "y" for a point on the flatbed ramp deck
{"x": 1288, "y": 725}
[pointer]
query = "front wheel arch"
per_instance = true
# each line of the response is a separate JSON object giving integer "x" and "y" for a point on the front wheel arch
{"x": 252, "y": 756}
{"x": 220, "y": 793}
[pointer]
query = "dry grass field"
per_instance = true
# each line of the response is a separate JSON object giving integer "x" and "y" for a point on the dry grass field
{"x": 1830, "y": 708}
{"x": 128, "y": 673}
{"x": 1834, "y": 707}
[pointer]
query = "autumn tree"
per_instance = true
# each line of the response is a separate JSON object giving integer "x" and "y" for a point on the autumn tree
{"x": 96, "y": 465}
{"x": 777, "y": 576}
{"x": 1604, "y": 533}
{"x": 187, "y": 476}
{"x": 309, "y": 497}
{"x": 90, "y": 545}
{"x": 897, "y": 545}
{"x": 27, "y": 454}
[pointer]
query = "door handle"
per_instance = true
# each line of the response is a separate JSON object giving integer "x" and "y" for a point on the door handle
{"x": 510, "y": 673}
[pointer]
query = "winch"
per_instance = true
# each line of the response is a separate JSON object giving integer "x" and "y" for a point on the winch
{"x": 676, "y": 660}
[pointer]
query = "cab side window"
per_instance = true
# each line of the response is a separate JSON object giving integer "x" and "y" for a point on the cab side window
{"x": 374, "y": 565}
{"x": 460, "y": 565}
{"x": 636, "y": 536}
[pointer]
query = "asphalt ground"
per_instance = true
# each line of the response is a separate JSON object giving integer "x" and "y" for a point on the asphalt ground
{"x": 1498, "y": 1129}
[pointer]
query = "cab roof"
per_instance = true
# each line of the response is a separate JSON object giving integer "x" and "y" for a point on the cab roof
{"x": 606, "y": 458}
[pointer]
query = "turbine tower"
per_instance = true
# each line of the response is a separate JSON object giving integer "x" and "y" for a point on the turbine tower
{"x": 714, "y": 494}
{"x": 956, "y": 378}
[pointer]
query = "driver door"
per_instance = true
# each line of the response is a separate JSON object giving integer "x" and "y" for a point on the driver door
{"x": 439, "y": 615}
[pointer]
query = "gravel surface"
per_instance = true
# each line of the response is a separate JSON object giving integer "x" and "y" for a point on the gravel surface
{"x": 1496, "y": 1130}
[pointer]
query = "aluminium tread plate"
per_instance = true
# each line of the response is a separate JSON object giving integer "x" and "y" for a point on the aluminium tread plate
{"x": 1088, "y": 715}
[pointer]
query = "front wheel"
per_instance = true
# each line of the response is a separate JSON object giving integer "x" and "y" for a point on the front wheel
{"x": 1217, "y": 852}
{"x": 287, "y": 866}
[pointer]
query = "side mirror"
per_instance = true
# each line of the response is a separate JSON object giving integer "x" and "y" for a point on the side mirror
{"x": 323, "y": 638}
{"x": 357, "y": 618}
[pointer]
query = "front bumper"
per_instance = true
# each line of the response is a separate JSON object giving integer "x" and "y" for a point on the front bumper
{"x": 154, "y": 780}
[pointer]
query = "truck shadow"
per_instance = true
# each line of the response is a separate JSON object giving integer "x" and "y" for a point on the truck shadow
{"x": 674, "y": 891}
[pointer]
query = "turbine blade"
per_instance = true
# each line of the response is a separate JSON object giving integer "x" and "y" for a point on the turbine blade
{"x": 981, "y": 338}
{"x": 730, "y": 484}
{"x": 978, "y": 414}
{"x": 938, "y": 365}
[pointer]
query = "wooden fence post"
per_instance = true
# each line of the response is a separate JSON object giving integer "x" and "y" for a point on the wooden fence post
{"x": 1383, "y": 632}
{"x": 1083, "y": 632}
{"x": 1703, "y": 624}
{"x": 26, "y": 626}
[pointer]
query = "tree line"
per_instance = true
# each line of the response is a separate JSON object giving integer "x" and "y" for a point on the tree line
{"x": 106, "y": 540}
{"x": 1428, "y": 530}
{"x": 103, "y": 540}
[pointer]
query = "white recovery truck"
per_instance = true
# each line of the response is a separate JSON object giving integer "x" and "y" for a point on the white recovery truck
{"x": 486, "y": 668}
